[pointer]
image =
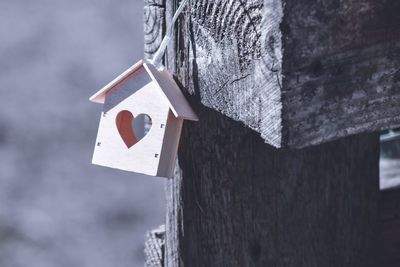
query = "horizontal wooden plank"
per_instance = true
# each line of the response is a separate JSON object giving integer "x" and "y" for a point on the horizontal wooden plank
{"x": 298, "y": 72}
{"x": 341, "y": 67}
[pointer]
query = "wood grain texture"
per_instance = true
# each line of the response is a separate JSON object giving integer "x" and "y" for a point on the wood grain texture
{"x": 389, "y": 230}
{"x": 240, "y": 202}
{"x": 236, "y": 201}
{"x": 154, "y": 30}
{"x": 154, "y": 26}
{"x": 389, "y": 243}
{"x": 298, "y": 72}
{"x": 174, "y": 220}
{"x": 341, "y": 67}
{"x": 154, "y": 247}
{"x": 234, "y": 55}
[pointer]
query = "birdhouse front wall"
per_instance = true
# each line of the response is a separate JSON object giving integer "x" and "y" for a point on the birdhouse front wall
{"x": 111, "y": 149}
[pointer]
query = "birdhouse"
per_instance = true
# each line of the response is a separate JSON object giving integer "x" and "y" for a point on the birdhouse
{"x": 141, "y": 90}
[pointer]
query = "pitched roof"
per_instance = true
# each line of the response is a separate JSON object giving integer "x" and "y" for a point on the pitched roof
{"x": 178, "y": 103}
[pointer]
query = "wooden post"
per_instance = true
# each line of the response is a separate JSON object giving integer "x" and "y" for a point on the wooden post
{"x": 389, "y": 210}
{"x": 287, "y": 71}
{"x": 240, "y": 202}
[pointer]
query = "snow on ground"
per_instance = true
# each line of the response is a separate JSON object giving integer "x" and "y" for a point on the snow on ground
{"x": 56, "y": 209}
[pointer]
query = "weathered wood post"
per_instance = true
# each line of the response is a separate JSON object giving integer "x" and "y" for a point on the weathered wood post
{"x": 299, "y": 185}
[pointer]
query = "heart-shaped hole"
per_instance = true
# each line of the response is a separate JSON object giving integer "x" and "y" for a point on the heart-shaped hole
{"x": 132, "y": 129}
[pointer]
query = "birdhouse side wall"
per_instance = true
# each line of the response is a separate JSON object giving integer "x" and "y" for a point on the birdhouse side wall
{"x": 178, "y": 103}
{"x": 170, "y": 146}
{"x": 144, "y": 156}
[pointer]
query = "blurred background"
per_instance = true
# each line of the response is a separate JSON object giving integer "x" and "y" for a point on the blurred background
{"x": 56, "y": 209}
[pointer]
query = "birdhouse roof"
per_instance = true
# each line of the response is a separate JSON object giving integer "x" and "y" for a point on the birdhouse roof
{"x": 178, "y": 103}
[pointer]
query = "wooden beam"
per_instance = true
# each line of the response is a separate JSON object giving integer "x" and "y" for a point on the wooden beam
{"x": 341, "y": 67}
{"x": 236, "y": 201}
{"x": 299, "y": 73}
{"x": 233, "y": 52}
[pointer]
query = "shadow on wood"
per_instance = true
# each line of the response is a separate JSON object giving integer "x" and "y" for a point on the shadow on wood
{"x": 388, "y": 253}
{"x": 237, "y": 201}
{"x": 389, "y": 243}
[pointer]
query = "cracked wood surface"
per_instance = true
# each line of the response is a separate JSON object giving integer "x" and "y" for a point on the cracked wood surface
{"x": 299, "y": 73}
{"x": 154, "y": 26}
{"x": 234, "y": 54}
{"x": 341, "y": 65}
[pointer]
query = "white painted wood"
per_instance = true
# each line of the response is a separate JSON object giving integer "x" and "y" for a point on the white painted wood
{"x": 142, "y": 89}
{"x": 144, "y": 156}
{"x": 179, "y": 105}
{"x": 177, "y": 101}
{"x": 170, "y": 146}
{"x": 99, "y": 97}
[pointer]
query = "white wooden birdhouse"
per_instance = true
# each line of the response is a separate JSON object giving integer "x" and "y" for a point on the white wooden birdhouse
{"x": 141, "y": 90}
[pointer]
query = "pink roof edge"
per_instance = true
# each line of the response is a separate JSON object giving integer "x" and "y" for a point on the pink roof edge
{"x": 177, "y": 101}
